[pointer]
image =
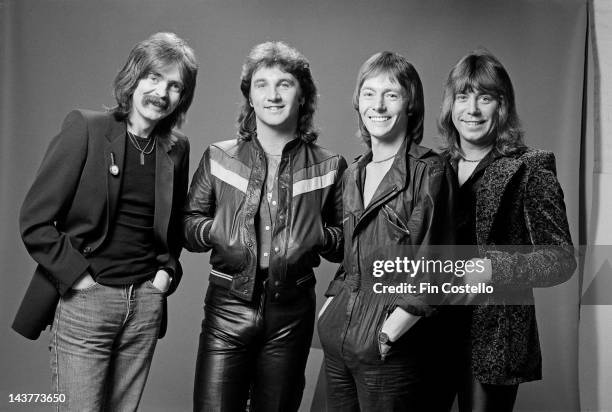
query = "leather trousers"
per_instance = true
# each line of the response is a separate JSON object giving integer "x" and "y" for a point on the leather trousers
{"x": 419, "y": 373}
{"x": 253, "y": 352}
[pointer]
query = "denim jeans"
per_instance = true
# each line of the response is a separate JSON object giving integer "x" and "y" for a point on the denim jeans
{"x": 102, "y": 344}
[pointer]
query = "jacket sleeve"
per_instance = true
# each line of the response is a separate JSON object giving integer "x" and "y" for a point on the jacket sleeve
{"x": 431, "y": 226}
{"x": 332, "y": 218}
{"x": 199, "y": 208}
{"x": 175, "y": 238}
{"x": 549, "y": 260}
{"x": 48, "y": 201}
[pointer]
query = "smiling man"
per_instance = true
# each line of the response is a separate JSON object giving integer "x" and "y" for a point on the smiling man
{"x": 103, "y": 222}
{"x": 268, "y": 204}
{"x": 398, "y": 194}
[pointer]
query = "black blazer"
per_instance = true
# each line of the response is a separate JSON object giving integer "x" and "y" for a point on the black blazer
{"x": 66, "y": 214}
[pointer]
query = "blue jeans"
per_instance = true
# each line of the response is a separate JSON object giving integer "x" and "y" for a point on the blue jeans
{"x": 102, "y": 344}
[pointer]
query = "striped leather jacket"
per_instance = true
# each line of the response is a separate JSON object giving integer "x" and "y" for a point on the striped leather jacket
{"x": 223, "y": 203}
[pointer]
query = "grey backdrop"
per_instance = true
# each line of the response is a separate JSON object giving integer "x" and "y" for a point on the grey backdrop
{"x": 61, "y": 54}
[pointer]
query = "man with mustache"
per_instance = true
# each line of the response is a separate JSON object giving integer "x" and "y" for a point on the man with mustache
{"x": 103, "y": 221}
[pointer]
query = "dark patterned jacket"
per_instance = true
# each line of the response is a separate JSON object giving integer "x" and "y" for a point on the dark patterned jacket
{"x": 519, "y": 202}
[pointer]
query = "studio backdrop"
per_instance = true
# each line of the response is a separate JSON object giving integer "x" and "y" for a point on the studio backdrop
{"x": 57, "y": 55}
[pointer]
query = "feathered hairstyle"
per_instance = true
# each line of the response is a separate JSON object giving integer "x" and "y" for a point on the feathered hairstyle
{"x": 159, "y": 50}
{"x": 289, "y": 60}
{"x": 400, "y": 70}
{"x": 480, "y": 71}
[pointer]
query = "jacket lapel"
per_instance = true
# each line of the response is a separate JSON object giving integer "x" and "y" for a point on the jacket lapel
{"x": 394, "y": 182}
{"x": 114, "y": 151}
{"x": 164, "y": 179}
{"x": 490, "y": 193}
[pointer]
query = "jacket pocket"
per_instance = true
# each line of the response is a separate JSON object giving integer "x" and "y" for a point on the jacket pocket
{"x": 398, "y": 229}
{"x": 365, "y": 331}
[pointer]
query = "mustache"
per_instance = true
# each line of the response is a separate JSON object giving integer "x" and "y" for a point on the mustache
{"x": 160, "y": 102}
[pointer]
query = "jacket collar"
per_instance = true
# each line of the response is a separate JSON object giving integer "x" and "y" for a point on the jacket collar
{"x": 495, "y": 180}
{"x": 114, "y": 151}
{"x": 395, "y": 181}
{"x": 117, "y": 129}
{"x": 290, "y": 147}
{"x": 398, "y": 176}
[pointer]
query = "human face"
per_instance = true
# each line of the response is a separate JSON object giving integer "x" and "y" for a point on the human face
{"x": 276, "y": 97}
{"x": 473, "y": 116}
{"x": 383, "y": 106}
{"x": 156, "y": 96}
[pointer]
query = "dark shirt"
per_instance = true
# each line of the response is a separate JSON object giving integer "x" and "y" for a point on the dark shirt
{"x": 267, "y": 212}
{"x": 128, "y": 254}
{"x": 466, "y": 201}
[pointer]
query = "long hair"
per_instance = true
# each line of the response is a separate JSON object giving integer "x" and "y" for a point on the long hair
{"x": 159, "y": 50}
{"x": 480, "y": 71}
{"x": 400, "y": 70}
{"x": 289, "y": 60}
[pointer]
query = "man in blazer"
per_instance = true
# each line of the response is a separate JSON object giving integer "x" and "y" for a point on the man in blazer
{"x": 103, "y": 221}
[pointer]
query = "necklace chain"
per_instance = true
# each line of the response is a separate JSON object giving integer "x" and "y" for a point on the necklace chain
{"x": 472, "y": 160}
{"x": 142, "y": 150}
{"x": 384, "y": 160}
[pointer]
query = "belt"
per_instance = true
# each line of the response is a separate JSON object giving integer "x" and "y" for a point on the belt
{"x": 277, "y": 290}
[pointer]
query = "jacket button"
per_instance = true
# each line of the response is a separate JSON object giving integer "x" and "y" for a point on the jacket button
{"x": 276, "y": 295}
{"x": 249, "y": 244}
{"x": 277, "y": 283}
{"x": 276, "y": 249}
{"x": 86, "y": 250}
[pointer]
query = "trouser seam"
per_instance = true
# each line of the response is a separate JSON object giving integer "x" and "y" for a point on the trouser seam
{"x": 129, "y": 290}
{"x": 55, "y": 350}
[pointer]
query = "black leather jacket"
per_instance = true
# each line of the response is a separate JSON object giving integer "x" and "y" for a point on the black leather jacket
{"x": 411, "y": 210}
{"x": 223, "y": 203}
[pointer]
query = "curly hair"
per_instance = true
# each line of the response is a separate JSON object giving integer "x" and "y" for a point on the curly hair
{"x": 481, "y": 71}
{"x": 159, "y": 50}
{"x": 399, "y": 69}
{"x": 289, "y": 60}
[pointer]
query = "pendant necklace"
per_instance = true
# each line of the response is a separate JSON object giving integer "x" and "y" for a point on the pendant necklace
{"x": 142, "y": 150}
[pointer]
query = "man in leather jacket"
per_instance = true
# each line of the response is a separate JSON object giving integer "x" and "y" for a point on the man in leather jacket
{"x": 397, "y": 201}
{"x": 268, "y": 204}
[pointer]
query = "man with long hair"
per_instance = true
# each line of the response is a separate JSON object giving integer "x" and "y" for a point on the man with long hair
{"x": 268, "y": 204}
{"x": 510, "y": 205}
{"x": 397, "y": 204}
{"x": 103, "y": 221}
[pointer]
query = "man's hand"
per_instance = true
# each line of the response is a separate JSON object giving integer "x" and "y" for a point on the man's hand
{"x": 84, "y": 282}
{"x": 474, "y": 277}
{"x": 398, "y": 323}
{"x": 162, "y": 281}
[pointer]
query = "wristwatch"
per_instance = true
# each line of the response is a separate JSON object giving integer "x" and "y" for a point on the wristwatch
{"x": 383, "y": 339}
